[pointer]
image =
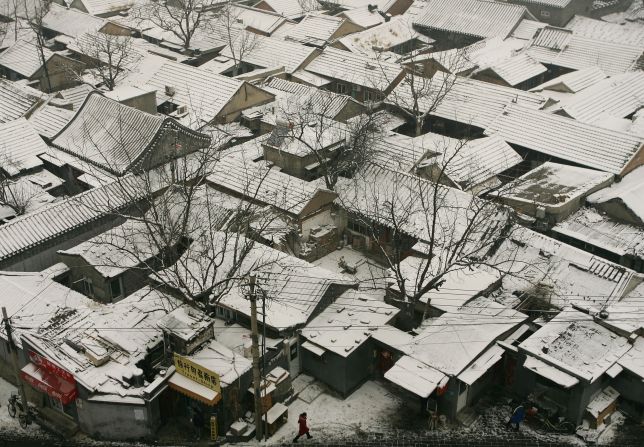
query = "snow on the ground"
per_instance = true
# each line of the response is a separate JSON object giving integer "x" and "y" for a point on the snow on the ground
{"x": 371, "y": 408}
{"x": 369, "y": 274}
{"x": 7, "y": 423}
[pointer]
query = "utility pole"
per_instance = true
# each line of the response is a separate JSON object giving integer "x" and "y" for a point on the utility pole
{"x": 255, "y": 352}
{"x": 14, "y": 357}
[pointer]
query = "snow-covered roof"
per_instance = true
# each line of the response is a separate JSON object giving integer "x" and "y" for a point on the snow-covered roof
{"x": 118, "y": 249}
{"x": 24, "y": 58}
{"x": 291, "y": 9}
{"x": 268, "y": 52}
{"x": 618, "y": 96}
{"x": 59, "y": 218}
{"x": 106, "y": 7}
{"x": 599, "y": 230}
{"x": 20, "y": 146}
{"x": 348, "y": 322}
{"x": 574, "y": 81}
{"x": 517, "y": 69}
{"x": 628, "y": 33}
{"x": 49, "y": 120}
{"x": 355, "y": 69}
{"x": 17, "y": 99}
{"x": 576, "y": 344}
{"x": 383, "y": 37}
{"x": 633, "y": 360}
{"x": 481, "y": 365}
{"x": 526, "y": 29}
{"x": 551, "y": 373}
{"x": 470, "y": 163}
{"x": 553, "y": 185}
{"x": 218, "y": 358}
{"x": 364, "y": 16}
{"x": 108, "y": 133}
{"x": 76, "y": 95}
{"x": 415, "y": 376}
{"x": 400, "y": 152}
{"x": 185, "y": 322}
{"x": 314, "y": 28}
{"x": 551, "y": 3}
{"x": 451, "y": 342}
{"x": 70, "y": 22}
{"x": 560, "y": 47}
{"x": 628, "y": 192}
{"x": 466, "y": 101}
{"x": 308, "y": 137}
{"x": 24, "y": 191}
{"x": 477, "y": 18}
{"x": 558, "y": 273}
{"x": 257, "y": 182}
{"x": 565, "y": 138}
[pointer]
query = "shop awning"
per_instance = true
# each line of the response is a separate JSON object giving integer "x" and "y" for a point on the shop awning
{"x": 193, "y": 389}
{"x": 415, "y": 376}
{"x": 46, "y": 382}
{"x": 550, "y": 372}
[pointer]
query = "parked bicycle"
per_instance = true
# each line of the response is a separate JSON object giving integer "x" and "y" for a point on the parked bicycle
{"x": 25, "y": 418}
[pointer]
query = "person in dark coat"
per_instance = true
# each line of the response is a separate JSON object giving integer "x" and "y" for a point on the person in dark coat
{"x": 197, "y": 421}
{"x": 303, "y": 430}
{"x": 517, "y": 417}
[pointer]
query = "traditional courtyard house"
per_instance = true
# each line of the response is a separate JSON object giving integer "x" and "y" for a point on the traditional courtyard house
{"x": 70, "y": 21}
{"x": 563, "y": 51}
{"x": 365, "y": 79}
{"x": 564, "y": 87}
{"x": 197, "y": 97}
{"x": 260, "y": 53}
{"x": 454, "y": 357}
{"x": 118, "y": 139}
{"x": 395, "y": 36}
{"x": 337, "y": 347}
{"x": 556, "y": 12}
{"x": 303, "y": 205}
{"x": 300, "y": 149}
{"x": 50, "y": 119}
{"x": 365, "y": 17}
{"x": 258, "y": 21}
{"x": 539, "y": 136}
{"x": 317, "y": 30}
{"x": 23, "y": 61}
{"x": 569, "y": 365}
{"x": 470, "y": 165}
{"x": 552, "y": 192}
{"x": 467, "y": 108}
{"x": 114, "y": 264}
{"x": 20, "y": 147}
{"x": 628, "y": 33}
{"x": 75, "y": 95}
{"x": 462, "y": 22}
{"x": 99, "y": 8}
{"x": 68, "y": 366}
{"x": 520, "y": 71}
{"x": 30, "y": 242}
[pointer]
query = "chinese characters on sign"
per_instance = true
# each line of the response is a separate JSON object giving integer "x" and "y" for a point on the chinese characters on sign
{"x": 197, "y": 373}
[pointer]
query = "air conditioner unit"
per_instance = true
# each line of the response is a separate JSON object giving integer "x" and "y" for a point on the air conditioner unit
{"x": 182, "y": 110}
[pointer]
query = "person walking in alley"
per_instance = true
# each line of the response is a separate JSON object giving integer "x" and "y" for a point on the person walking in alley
{"x": 304, "y": 429}
{"x": 517, "y": 417}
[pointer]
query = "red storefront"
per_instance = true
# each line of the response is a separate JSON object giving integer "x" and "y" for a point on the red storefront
{"x": 49, "y": 378}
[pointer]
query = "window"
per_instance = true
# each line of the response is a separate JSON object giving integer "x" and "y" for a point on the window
{"x": 115, "y": 288}
{"x": 86, "y": 287}
{"x": 293, "y": 351}
{"x": 545, "y": 13}
{"x": 342, "y": 88}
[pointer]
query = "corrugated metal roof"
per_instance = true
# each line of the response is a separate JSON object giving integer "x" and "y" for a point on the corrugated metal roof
{"x": 478, "y": 18}
{"x": 204, "y": 93}
{"x": 62, "y": 217}
{"x": 17, "y": 100}
{"x": 517, "y": 69}
{"x": 467, "y": 101}
{"x": 626, "y": 33}
{"x": 574, "y": 81}
{"x": 108, "y": 133}
{"x": 267, "y": 52}
{"x": 581, "y": 52}
{"x": 71, "y": 22}
{"x": 618, "y": 96}
{"x": 355, "y": 69}
{"x": 49, "y": 120}
{"x": 23, "y": 58}
{"x": 19, "y": 146}
{"x": 565, "y": 138}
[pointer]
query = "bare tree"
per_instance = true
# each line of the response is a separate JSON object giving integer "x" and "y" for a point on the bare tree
{"x": 35, "y": 13}
{"x": 227, "y": 28}
{"x": 424, "y": 231}
{"x": 181, "y": 18}
{"x": 339, "y": 149}
{"x": 17, "y": 194}
{"x": 108, "y": 55}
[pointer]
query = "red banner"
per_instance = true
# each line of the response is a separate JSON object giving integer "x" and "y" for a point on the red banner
{"x": 50, "y": 366}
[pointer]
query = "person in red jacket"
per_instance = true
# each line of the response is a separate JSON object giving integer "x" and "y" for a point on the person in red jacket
{"x": 304, "y": 430}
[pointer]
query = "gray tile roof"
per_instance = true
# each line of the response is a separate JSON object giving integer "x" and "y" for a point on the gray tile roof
{"x": 20, "y": 146}
{"x": 17, "y": 100}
